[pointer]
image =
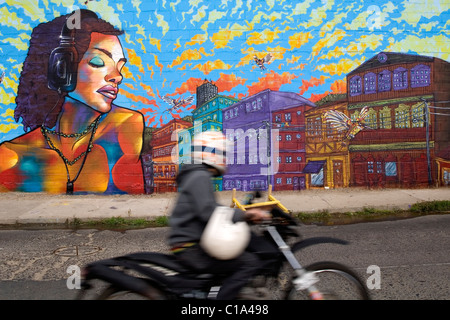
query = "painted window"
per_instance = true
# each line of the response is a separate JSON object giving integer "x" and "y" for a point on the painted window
{"x": 317, "y": 179}
{"x": 371, "y": 119}
{"x": 370, "y": 81}
{"x": 287, "y": 116}
{"x": 390, "y": 168}
{"x": 355, "y": 86}
{"x": 385, "y": 118}
{"x": 402, "y": 116}
{"x": 370, "y": 166}
{"x": 446, "y": 177}
{"x": 400, "y": 78}
{"x": 384, "y": 81}
{"x": 420, "y": 76}
{"x": 418, "y": 115}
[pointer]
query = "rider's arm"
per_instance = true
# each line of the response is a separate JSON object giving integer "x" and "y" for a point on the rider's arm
{"x": 202, "y": 195}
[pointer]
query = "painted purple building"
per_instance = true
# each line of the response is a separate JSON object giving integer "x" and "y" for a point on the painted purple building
{"x": 249, "y": 124}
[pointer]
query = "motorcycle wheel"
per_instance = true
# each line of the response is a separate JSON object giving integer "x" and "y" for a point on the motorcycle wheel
{"x": 336, "y": 282}
{"x": 114, "y": 293}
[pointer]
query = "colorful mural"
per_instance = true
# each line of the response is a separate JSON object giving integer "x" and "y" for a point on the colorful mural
{"x": 85, "y": 126}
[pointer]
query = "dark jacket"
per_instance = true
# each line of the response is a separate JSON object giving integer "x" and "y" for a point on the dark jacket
{"x": 194, "y": 205}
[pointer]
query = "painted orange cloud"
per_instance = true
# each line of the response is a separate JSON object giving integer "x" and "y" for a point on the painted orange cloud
{"x": 227, "y": 82}
{"x": 339, "y": 86}
{"x": 135, "y": 60}
{"x": 138, "y": 98}
{"x": 272, "y": 81}
{"x": 313, "y": 82}
{"x": 316, "y": 97}
{"x": 188, "y": 55}
{"x": 189, "y": 86}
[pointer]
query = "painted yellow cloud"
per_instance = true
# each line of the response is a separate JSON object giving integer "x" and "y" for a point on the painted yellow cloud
{"x": 249, "y": 55}
{"x": 10, "y": 19}
{"x": 5, "y": 128}
{"x": 300, "y": 9}
{"x": 263, "y": 15}
{"x": 415, "y": 10}
{"x": 213, "y": 16}
{"x": 20, "y": 41}
{"x": 299, "y": 39}
{"x": 8, "y": 116}
{"x": 6, "y": 98}
{"x": 201, "y": 13}
{"x": 344, "y": 66}
{"x": 266, "y": 36}
{"x": 209, "y": 66}
{"x": 188, "y": 55}
{"x": 437, "y": 46}
{"x": 127, "y": 74}
{"x": 105, "y": 11}
{"x": 162, "y": 23}
{"x": 135, "y": 60}
{"x": 371, "y": 41}
{"x": 30, "y": 9}
{"x": 335, "y": 53}
{"x": 197, "y": 39}
{"x": 327, "y": 41}
{"x": 277, "y": 52}
{"x": 223, "y": 36}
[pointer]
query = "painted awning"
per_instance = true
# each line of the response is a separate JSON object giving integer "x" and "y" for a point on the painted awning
{"x": 314, "y": 166}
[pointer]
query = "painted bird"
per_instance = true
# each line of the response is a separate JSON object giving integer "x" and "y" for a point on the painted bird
{"x": 261, "y": 62}
{"x": 342, "y": 122}
{"x": 177, "y": 103}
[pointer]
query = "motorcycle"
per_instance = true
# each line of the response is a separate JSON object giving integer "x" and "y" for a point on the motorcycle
{"x": 159, "y": 276}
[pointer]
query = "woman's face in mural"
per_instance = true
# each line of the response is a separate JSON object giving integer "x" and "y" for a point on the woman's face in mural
{"x": 99, "y": 72}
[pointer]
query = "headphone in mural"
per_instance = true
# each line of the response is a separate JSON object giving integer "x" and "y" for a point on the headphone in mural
{"x": 63, "y": 60}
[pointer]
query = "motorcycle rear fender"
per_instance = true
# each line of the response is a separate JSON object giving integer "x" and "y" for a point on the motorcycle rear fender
{"x": 316, "y": 240}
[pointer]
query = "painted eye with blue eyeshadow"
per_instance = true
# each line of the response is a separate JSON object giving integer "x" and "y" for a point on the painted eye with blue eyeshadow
{"x": 97, "y": 62}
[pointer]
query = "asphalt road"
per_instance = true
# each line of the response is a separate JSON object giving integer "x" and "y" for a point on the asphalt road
{"x": 411, "y": 254}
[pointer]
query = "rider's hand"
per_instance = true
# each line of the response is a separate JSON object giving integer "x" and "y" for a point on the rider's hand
{"x": 256, "y": 215}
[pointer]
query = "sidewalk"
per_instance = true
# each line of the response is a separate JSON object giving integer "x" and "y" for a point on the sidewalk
{"x": 43, "y": 208}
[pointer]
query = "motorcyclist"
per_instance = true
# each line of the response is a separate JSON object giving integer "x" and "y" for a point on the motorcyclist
{"x": 194, "y": 206}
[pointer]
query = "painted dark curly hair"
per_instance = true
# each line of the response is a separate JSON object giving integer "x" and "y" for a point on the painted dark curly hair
{"x": 34, "y": 99}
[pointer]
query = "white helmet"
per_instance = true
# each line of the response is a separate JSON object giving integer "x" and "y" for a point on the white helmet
{"x": 209, "y": 147}
{"x": 222, "y": 238}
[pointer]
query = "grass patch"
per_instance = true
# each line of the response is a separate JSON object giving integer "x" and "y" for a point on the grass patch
{"x": 371, "y": 214}
{"x": 431, "y": 206}
{"x": 120, "y": 223}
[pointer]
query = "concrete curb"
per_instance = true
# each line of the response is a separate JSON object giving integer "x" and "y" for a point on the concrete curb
{"x": 37, "y": 208}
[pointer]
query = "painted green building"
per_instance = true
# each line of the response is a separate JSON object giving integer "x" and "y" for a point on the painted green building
{"x": 207, "y": 116}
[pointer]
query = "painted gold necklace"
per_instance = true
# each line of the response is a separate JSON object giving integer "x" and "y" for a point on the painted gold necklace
{"x": 91, "y": 128}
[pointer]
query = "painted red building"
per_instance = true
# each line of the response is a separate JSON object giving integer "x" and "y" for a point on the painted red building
{"x": 164, "y": 149}
{"x": 402, "y": 92}
{"x": 291, "y": 157}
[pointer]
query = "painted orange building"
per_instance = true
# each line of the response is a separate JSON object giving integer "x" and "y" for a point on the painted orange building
{"x": 327, "y": 160}
{"x": 164, "y": 151}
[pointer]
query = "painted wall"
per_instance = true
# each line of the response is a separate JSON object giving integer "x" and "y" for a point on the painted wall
{"x": 167, "y": 50}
